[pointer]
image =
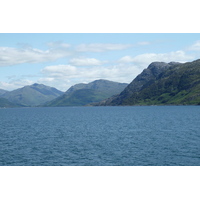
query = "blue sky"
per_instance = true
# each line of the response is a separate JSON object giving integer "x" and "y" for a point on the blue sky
{"x": 62, "y": 60}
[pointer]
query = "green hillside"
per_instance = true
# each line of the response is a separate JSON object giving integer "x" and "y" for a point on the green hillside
{"x": 32, "y": 95}
{"x": 162, "y": 84}
{"x": 2, "y": 92}
{"x": 78, "y": 98}
{"x": 4, "y": 103}
{"x": 83, "y": 94}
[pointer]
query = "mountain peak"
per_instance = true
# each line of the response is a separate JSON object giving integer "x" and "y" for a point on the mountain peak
{"x": 32, "y": 95}
{"x": 35, "y": 84}
{"x": 157, "y": 64}
{"x": 38, "y": 85}
{"x": 156, "y": 68}
{"x": 83, "y": 94}
{"x": 162, "y": 64}
{"x": 100, "y": 80}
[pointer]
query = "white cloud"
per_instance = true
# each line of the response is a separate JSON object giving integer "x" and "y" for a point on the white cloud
{"x": 46, "y": 79}
{"x": 64, "y": 76}
{"x": 58, "y": 71}
{"x": 100, "y": 47}
{"x": 195, "y": 46}
{"x": 85, "y": 62}
{"x": 144, "y": 43}
{"x": 12, "y": 56}
{"x": 15, "y": 84}
{"x": 58, "y": 45}
{"x": 145, "y": 59}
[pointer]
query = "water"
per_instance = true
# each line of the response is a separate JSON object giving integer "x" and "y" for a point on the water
{"x": 100, "y": 136}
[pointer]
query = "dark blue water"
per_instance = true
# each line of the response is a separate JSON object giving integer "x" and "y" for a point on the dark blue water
{"x": 108, "y": 136}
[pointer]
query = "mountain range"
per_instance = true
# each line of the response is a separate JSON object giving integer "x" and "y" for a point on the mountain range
{"x": 32, "y": 95}
{"x": 162, "y": 84}
{"x": 83, "y": 94}
{"x": 159, "y": 84}
{"x": 77, "y": 95}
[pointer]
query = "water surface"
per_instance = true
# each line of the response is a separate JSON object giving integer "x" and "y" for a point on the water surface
{"x": 100, "y": 136}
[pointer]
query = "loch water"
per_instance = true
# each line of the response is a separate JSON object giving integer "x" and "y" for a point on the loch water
{"x": 100, "y": 136}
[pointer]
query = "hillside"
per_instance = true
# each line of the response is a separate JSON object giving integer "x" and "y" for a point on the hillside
{"x": 32, "y": 95}
{"x": 162, "y": 84}
{"x": 2, "y": 92}
{"x": 83, "y": 94}
{"x": 4, "y": 103}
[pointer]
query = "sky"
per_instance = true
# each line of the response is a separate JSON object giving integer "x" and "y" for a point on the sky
{"x": 65, "y": 59}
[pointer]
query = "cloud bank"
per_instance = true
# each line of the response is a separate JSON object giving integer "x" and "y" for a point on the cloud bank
{"x": 83, "y": 63}
{"x": 66, "y": 75}
{"x": 146, "y": 59}
{"x": 101, "y": 47}
{"x": 13, "y": 56}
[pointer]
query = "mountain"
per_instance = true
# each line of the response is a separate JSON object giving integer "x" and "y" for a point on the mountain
{"x": 83, "y": 94}
{"x": 32, "y": 95}
{"x": 2, "y": 92}
{"x": 162, "y": 84}
{"x": 4, "y": 103}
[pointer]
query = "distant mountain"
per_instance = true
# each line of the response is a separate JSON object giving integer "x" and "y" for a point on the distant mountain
{"x": 2, "y": 92}
{"x": 32, "y": 95}
{"x": 83, "y": 94}
{"x": 162, "y": 84}
{"x": 4, "y": 103}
